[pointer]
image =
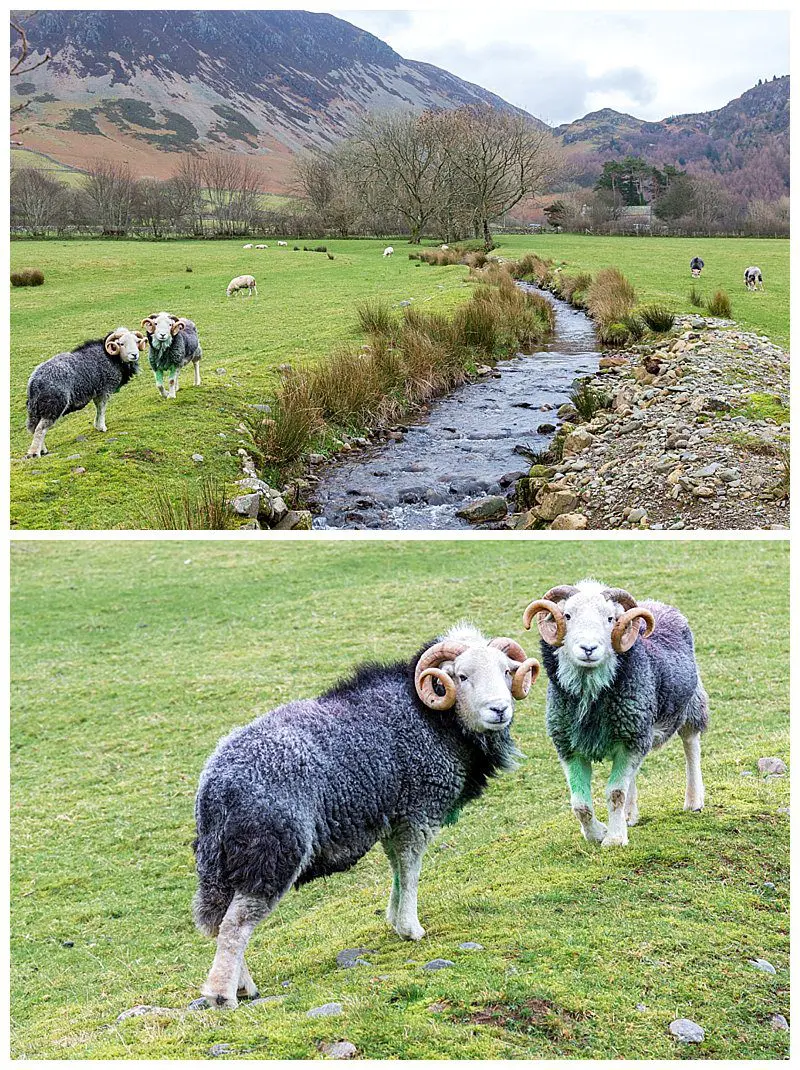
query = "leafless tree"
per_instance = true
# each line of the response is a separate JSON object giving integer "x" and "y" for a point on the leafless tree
{"x": 233, "y": 188}
{"x": 36, "y": 200}
{"x": 111, "y": 192}
{"x": 22, "y": 64}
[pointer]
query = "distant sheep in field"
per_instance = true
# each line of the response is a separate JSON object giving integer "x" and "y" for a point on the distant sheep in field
{"x": 173, "y": 344}
{"x": 388, "y": 251}
{"x": 753, "y": 279}
{"x": 283, "y": 243}
{"x": 248, "y": 246}
{"x": 262, "y": 247}
{"x": 444, "y": 248}
{"x": 67, "y": 382}
{"x": 242, "y": 282}
{"x": 696, "y": 266}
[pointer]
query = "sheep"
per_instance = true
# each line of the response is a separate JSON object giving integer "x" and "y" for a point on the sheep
{"x": 67, "y": 382}
{"x": 283, "y": 243}
{"x": 248, "y": 246}
{"x": 173, "y": 344}
{"x": 696, "y": 266}
{"x": 444, "y": 248}
{"x": 242, "y": 282}
{"x": 389, "y": 754}
{"x": 388, "y": 251}
{"x": 753, "y": 278}
{"x": 623, "y": 679}
{"x": 262, "y": 247}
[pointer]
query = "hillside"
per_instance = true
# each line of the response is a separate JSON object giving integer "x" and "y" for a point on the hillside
{"x": 142, "y": 86}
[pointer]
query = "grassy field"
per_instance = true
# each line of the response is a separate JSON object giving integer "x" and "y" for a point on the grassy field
{"x": 304, "y": 309}
{"x": 131, "y": 659}
{"x": 659, "y": 269}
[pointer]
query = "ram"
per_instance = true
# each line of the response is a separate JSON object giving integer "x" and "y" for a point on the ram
{"x": 174, "y": 343}
{"x": 622, "y": 680}
{"x": 388, "y": 755}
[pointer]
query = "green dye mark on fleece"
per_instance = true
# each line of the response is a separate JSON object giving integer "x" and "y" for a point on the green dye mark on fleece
{"x": 453, "y": 815}
{"x": 579, "y": 777}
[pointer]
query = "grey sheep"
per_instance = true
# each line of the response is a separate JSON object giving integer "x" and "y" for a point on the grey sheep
{"x": 753, "y": 279}
{"x": 388, "y": 755}
{"x": 67, "y": 382}
{"x": 173, "y": 344}
{"x": 623, "y": 679}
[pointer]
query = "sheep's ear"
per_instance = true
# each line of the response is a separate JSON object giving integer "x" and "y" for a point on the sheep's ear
{"x": 178, "y": 325}
{"x": 111, "y": 347}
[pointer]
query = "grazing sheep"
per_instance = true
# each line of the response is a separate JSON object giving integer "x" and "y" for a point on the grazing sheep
{"x": 390, "y": 754}
{"x": 262, "y": 247}
{"x": 388, "y": 251}
{"x": 623, "y": 679}
{"x": 283, "y": 243}
{"x": 173, "y": 344}
{"x": 242, "y": 282}
{"x": 248, "y": 246}
{"x": 67, "y": 382}
{"x": 696, "y": 266}
{"x": 444, "y": 248}
{"x": 753, "y": 278}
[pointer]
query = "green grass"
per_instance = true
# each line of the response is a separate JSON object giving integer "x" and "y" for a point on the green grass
{"x": 305, "y": 307}
{"x": 659, "y": 269}
{"x": 54, "y": 169}
{"x": 130, "y": 660}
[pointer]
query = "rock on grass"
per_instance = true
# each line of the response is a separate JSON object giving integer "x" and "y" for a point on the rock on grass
{"x": 763, "y": 965}
{"x": 351, "y": 956}
{"x": 687, "y": 1031}
{"x": 775, "y": 766}
{"x": 327, "y": 1010}
{"x": 438, "y": 964}
{"x": 339, "y": 1049}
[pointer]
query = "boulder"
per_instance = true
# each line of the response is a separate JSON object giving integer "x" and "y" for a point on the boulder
{"x": 569, "y": 522}
{"x": 492, "y": 507}
{"x": 577, "y": 441}
{"x": 247, "y": 505}
{"x": 295, "y": 520}
{"x": 555, "y": 500}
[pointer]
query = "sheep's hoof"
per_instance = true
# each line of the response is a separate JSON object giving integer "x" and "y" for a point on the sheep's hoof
{"x": 411, "y": 932}
{"x": 220, "y": 1000}
{"x": 246, "y": 993}
{"x": 632, "y": 818}
{"x": 30, "y": 456}
{"x": 614, "y": 841}
{"x": 694, "y": 805}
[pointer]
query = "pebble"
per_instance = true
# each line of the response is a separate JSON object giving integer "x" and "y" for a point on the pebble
{"x": 687, "y": 1031}
{"x": 197, "y": 457}
{"x": 200, "y": 1004}
{"x": 763, "y": 965}
{"x": 778, "y": 1022}
{"x": 140, "y": 1010}
{"x": 351, "y": 956}
{"x": 771, "y": 765}
{"x": 327, "y": 1010}
{"x": 216, "y": 1050}
{"x": 471, "y": 945}
{"x": 438, "y": 964}
{"x": 339, "y": 1049}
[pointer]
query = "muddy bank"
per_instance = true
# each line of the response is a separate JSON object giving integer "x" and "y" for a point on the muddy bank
{"x": 466, "y": 446}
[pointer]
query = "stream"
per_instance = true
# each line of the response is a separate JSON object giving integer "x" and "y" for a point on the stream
{"x": 464, "y": 447}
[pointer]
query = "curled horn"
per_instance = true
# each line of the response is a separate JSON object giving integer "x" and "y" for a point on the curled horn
{"x": 527, "y": 669}
{"x": 178, "y": 325}
{"x": 141, "y": 340}
{"x": 111, "y": 345}
{"x": 427, "y": 670}
{"x": 627, "y": 629}
{"x": 149, "y": 323}
{"x": 617, "y": 594}
{"x": 552, "y": 626}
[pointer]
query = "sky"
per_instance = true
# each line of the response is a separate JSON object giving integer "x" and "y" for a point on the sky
{"x": 559, "y": 67}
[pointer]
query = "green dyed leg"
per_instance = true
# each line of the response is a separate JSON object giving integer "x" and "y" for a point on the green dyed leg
{"x": 172, "y": 374}
{"x": 578, "y": 772}
{"x": 160, "y": 383}
{"x": 621, "y": 782}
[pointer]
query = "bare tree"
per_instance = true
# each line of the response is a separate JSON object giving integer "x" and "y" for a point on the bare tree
{"x": 233, "y": 188}
{"x": 20, "y": 65}
{"x": 36, "y": 201}
{"x": 111, "y": 192}
{"x": 186, "y": 195}
{"x": 499, "y": 158}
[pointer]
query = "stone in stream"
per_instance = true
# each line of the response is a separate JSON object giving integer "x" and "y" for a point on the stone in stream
{"x": 687, "y": 1031}
{"x": 491, "y": 507}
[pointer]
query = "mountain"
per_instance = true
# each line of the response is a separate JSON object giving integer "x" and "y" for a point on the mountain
{"x": 742, "y": 141}
{"x": 140, "y": 86}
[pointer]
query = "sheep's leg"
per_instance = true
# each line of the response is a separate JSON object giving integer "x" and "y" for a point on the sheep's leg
{"x": 226, "y": 975}
{"x": 37, "y": 446}
{"x": 408, "y": 846}
{"x": 394, "y": 895}
{"x": 100, "y": 415}
{"x": 247, "y": 986}
{"x": 579, "y": 778}
{"x": 695, "y": 791}
{"x": 632, "y": 803}
{"x": 197, "y": 372}
{"x": 172, "y": 374}
{"x": 160, "y": 383}
{"x": 624, "y": 767}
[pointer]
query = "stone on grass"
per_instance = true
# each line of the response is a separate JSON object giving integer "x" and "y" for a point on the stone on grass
{"x": 327, "y": 1010}
{"x": 246, "y": 505}
{"x": 778, "y": 1022}
{"x": 763, "y": 965}
{"x": 216, "y": 1050}
{"x": 438, "y": 964}
{"x": 140, "y": 1010}
{"x": 198, "y": 457}
{"x": 351, "y": 956}
{"x": 339, "y": 1049}
{"x": 771, "y": 765}
{"x": 471, "y": 945}
{"x": 687, "y": 1031}
{"x": 200, "y": 1004}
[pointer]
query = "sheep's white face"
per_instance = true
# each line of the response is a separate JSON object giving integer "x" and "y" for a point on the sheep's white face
{"x": 589, "y": 618}
{"x": 483, "y": 676}
{"x": 163, "y": 327}
{"x": 125, "y": 345}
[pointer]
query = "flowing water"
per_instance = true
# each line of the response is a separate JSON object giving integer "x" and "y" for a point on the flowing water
{"x": 465, "y": 447}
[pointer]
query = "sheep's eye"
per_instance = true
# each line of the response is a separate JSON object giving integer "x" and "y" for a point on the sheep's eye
{"x": 610, "y": 619}
{"x": 462, "y": 677}
{"x": 567, "y": 616}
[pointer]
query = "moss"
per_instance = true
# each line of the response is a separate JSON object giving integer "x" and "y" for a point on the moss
{"x": 764, "y": 407}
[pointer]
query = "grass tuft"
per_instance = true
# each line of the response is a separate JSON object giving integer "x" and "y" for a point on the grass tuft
{"x": 588, "y": 400}
{"x": 27, "y": 277}
{"x": 720, "y": 305}
{"x": 659, "y": 318}
{"x": 203, "y": 509}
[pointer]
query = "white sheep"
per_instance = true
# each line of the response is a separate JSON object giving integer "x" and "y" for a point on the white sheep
{"x": 444, "y": 248}
{"x": 283, "y": 243}
{"x": 388, "y": 251}
{"x": 248, "y": 246}
{"x": 242, "y": 282}
{"x": 262, "y": 247}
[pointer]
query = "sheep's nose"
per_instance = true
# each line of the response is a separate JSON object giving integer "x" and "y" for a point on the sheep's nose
{"x": 588, "y": 649}
{"x": 500, "y": 711}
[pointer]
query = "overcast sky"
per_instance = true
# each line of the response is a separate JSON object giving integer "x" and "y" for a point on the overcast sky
{"x": 561, "y": 65}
